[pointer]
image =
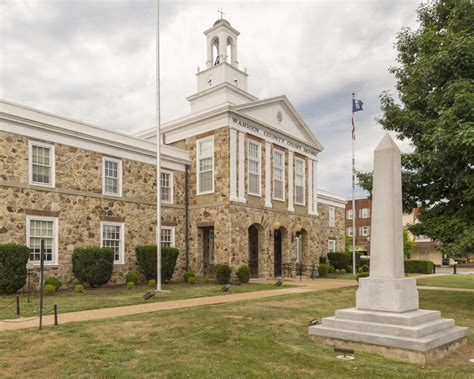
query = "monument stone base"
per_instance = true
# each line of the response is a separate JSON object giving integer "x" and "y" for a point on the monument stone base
{"x": 383, "y": 294}
{"x": 418, "y": 336}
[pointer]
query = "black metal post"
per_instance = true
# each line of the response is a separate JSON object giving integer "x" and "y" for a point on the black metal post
{"x": 434, "y": 268}
{"x": 41, "y": 283}
{"x": 17, "y": 305}
{"x": 301, "y": 271}
{"x": 454, "y": 268}
{"x": 55, "y": 314}
{"x": 29, "y": 288}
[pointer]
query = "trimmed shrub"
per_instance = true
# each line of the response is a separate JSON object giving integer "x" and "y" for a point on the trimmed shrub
{"x": 146, "y": 257}
{"x": 343, "y": 271}
{"x": 13, "y": 260}
{"x": 342, "y": 260}
{"x": 93, "y": 265}
{"x": 337, "y": 271}
{"x": 331, "y": 269}
{"x": 243, "y": 273}
{"x": 188, "y": 275}
{"x": 365, "y": 268}
{"x": 362, "y": 275}
{"x": 323, "y": 270}
{"x": 78, "y": 288}
{"x": 152, "y": 283}
{"x": 192, "y": 280}
{"x": 52, "y": 280}
{"x": 205, "y": 280}
{"x": 130, "y": 285}
{"x": 349, "y": 269}
{"x": 132, "y": 276}
{"x": 419, "y": 267}
{"x": 323, "y": 260}
{"x": 49, "y": 289}
{"x": 359, "y": 270}
{"x": 222, "y": 273}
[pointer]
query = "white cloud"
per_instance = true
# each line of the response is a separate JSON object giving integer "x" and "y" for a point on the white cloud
{"x": 94, "y": 61}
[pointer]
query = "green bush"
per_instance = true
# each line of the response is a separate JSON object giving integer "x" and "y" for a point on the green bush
{"x": 132, "y": 276}
{"x": 243, "y": 273}
{"x": 337, "y": 271}
{"x": 365, "y": 268}
{"x": 93, "y": 265}
{"x": 342, "y": 260}
{"x": 331, "y": 269}
{"x": 222, "y": 273}
{"x": 192, "y": 280}
{"x": 49, "y": 289}
{"x": 78, "y": 288}
{"x": 323, "y": 270}
{"x": 146, "y": 257}
{"x": 188, "y": 275}
{"x": 419, "y": 267}
{"x": 323, "y": 260}
{"x": 130, "y": 285}
{"x": 349, "y": 269}
{"x": 359, "y": 270}
{"x": 205, "y": 280}
{"x": 343, "y": 271}
{"x": 362, "y": 275}
{"x": 13, "y": 260}
{"x": 152, "y": 283}
{"x": 54, "y": 282}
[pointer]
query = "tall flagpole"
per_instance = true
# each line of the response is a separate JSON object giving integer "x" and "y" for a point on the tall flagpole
{"x": 158, "y": 153}
{"x": 353, "y": 193}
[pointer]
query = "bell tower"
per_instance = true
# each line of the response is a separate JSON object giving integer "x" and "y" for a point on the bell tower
{"x": 221, "y": 82}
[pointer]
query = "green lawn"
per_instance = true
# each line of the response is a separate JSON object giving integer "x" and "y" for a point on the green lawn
{"x": 451, "y": 281}
{"x": 69, "y": 301}
{"x": 265, "y": 338}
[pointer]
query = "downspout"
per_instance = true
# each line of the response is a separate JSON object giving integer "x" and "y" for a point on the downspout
{"x": 186, "y": 216}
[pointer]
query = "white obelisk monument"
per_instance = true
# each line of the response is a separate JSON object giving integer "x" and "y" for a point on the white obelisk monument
{"x": 386, "y": 319}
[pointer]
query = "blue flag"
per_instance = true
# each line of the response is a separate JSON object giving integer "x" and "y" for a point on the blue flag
{"x": 357, "y": 105}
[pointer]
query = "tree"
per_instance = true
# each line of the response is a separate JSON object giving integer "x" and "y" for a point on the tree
{"x": 408, "y": 243}
{"x": 435, "y": 112}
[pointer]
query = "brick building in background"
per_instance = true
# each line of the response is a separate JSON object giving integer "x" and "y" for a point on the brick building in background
{"x": 363, "y": 219}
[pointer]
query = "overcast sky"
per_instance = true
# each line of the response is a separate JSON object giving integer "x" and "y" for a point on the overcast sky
{"x": 94, "y": 60}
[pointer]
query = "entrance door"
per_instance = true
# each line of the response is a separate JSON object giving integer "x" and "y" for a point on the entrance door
{"x": 277, "y": 253}
{"x": 253, "y": 251}
{"x": 208, "y": 250}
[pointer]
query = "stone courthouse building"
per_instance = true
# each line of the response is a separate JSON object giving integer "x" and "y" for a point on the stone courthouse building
{"x": 242, "y": 172}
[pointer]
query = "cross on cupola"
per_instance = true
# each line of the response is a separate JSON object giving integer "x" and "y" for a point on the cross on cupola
{"x": 221, "y": 12}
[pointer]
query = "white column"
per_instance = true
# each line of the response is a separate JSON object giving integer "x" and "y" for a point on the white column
{"x": 310, "y": 188}
{"x": 315, "y": 187}
{"x": 268, "y": 175}
{"x": 233, "y": 165}
{"x": 242, "y": 167}
{"x": 291, "y": 208}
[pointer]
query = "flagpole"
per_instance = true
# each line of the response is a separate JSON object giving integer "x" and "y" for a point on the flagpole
{"x": 353, "y": 193}
{"x": 158, "y": 153}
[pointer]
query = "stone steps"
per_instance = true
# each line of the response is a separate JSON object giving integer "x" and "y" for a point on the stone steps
{"x": 417, "y": 331}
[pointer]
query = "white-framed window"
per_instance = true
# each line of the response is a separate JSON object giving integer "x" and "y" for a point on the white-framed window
{"x": 166, "y": 186}
{"x": 41, "y": 163}
{"x": 254, "y": 169}
{"x": 205, "y": 165}
{"x": 42, "y": 228}
{"x": 331, "y": 246}
{"x": 332, "y": 216}
{"x": 349, "y": 214}
{"x": 278, "y": 175}
{"x": 365, "y": 231}
{"x": 167, "y": 236}
{"x": 299, "y": 181}
{"x": 111, "y": 176}
{"x": 349, "y": 231}
{"x": 112, "y": 235}
{"x": 364, "y": 213}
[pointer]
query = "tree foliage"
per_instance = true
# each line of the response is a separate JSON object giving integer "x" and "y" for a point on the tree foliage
{"x": 435, "y": 112}
{"x": 408, "y": 243}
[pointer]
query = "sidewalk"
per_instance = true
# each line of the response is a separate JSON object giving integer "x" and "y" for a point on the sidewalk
{"x": 99, "y": 314}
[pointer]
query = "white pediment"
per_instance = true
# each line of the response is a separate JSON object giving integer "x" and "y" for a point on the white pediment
{"x": 280, "y": 115}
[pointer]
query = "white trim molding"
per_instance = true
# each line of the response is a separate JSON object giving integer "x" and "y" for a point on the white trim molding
{"x": 268, "y": 175}
{"x": 122, "y": 239}
{"x": 233, "y": 165}
{"x": 52, "y": 163}
{"x": 310, "y": 188}
{"x": 257, "y": 160}
{"x": 291, "y": 207}
{"x": 283, "y": 179}
{"x": 173, "y": 238}
{"x": 198, "y": 158}
{"x": 242, "y": 198}
{"x": 119, "y": 177}
{"x": 303, "y": 168}
{"x": 171, "y": 186}
{"x": 55, "y": 238}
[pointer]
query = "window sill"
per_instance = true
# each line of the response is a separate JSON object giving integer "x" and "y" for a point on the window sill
{"x": 41, "y": 185}
{"x": 37, "y": 266}
{"x": 112, "y": 194}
